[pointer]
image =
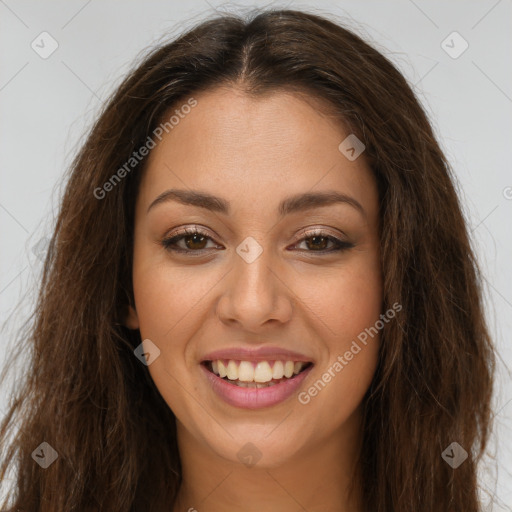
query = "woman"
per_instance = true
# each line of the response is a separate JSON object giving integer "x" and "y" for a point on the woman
{"x": 260, "y": 293}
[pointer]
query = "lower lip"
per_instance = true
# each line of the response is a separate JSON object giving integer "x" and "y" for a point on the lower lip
{"x": 254, "y": 398}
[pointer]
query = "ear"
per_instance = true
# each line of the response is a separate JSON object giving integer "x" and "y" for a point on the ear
{"x": 131, "y": 319}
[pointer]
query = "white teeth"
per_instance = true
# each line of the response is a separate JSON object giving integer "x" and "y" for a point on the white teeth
{"x": 248, "y": 374}
{"x": 232, "y": 370}
{"x": 222, "y": 369}
{"x": 262, "y": 372}
{"x": 288, "y": 369}
{"x": 278, "y": 370}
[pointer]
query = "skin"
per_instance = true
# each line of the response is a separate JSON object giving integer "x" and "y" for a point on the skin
{"x": 254, "y": 153}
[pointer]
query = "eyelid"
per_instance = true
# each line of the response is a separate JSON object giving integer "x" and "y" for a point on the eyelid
{"x": 182, "y": 233}
{"x": 304, "y": 233}
{"x": 188, "y": 230}
{"x": 307, "y": 232}
{"x": 339, "y": 243}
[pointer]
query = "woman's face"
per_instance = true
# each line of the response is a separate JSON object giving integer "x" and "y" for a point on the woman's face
{"x": 263, "y": 282}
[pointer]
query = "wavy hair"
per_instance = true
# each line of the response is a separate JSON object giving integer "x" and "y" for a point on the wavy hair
{"x": 86, "y": 394}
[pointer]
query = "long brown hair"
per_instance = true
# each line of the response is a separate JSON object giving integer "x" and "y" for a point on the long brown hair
{"x": 90, "y": 398}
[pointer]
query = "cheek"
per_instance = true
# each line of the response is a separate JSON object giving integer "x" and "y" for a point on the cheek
{"x": 335, "y": 306}
{"x": 346, "y": 308}
{"x": 345, "y": 300}
{"x": 165, "y": 306}
{"x": 170, "y": 303}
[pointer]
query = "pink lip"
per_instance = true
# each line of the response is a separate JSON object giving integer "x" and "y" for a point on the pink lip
{"x": 254, "y": 398}
{"x": 256, "y": 354}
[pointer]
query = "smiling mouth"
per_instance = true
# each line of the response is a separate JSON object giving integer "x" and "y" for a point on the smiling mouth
{"x": 256, "y": 374}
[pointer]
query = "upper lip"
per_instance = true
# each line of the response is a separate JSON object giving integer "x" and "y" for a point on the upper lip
{"x": 256, "y": 354}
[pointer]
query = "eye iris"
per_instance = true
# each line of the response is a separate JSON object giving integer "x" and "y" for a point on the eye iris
{"x": 195, "y": 236}
{"x": 316, "y": 238}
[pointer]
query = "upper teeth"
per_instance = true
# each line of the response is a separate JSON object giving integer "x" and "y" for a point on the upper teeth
{"x": 261, "y": 371}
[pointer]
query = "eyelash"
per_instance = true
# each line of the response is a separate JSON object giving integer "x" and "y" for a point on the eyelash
{"x": 169, "y": 242}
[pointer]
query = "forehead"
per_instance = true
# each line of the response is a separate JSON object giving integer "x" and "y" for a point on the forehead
{"x": 256, "y": 149}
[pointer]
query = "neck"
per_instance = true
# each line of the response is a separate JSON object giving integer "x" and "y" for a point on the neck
{"x": 325, "y": 477}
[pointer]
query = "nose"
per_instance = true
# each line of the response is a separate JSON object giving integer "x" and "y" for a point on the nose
{"x": 255, "y": 295}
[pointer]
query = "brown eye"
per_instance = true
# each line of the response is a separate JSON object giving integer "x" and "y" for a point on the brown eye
{"x": 318, "y": 241}
{"x": 193, "y": 240}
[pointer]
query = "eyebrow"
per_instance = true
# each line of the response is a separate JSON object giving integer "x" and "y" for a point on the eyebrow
{"x": 293, "y": 204}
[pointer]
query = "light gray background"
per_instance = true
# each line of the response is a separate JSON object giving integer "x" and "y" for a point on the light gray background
{"x": 47, "y": 104}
